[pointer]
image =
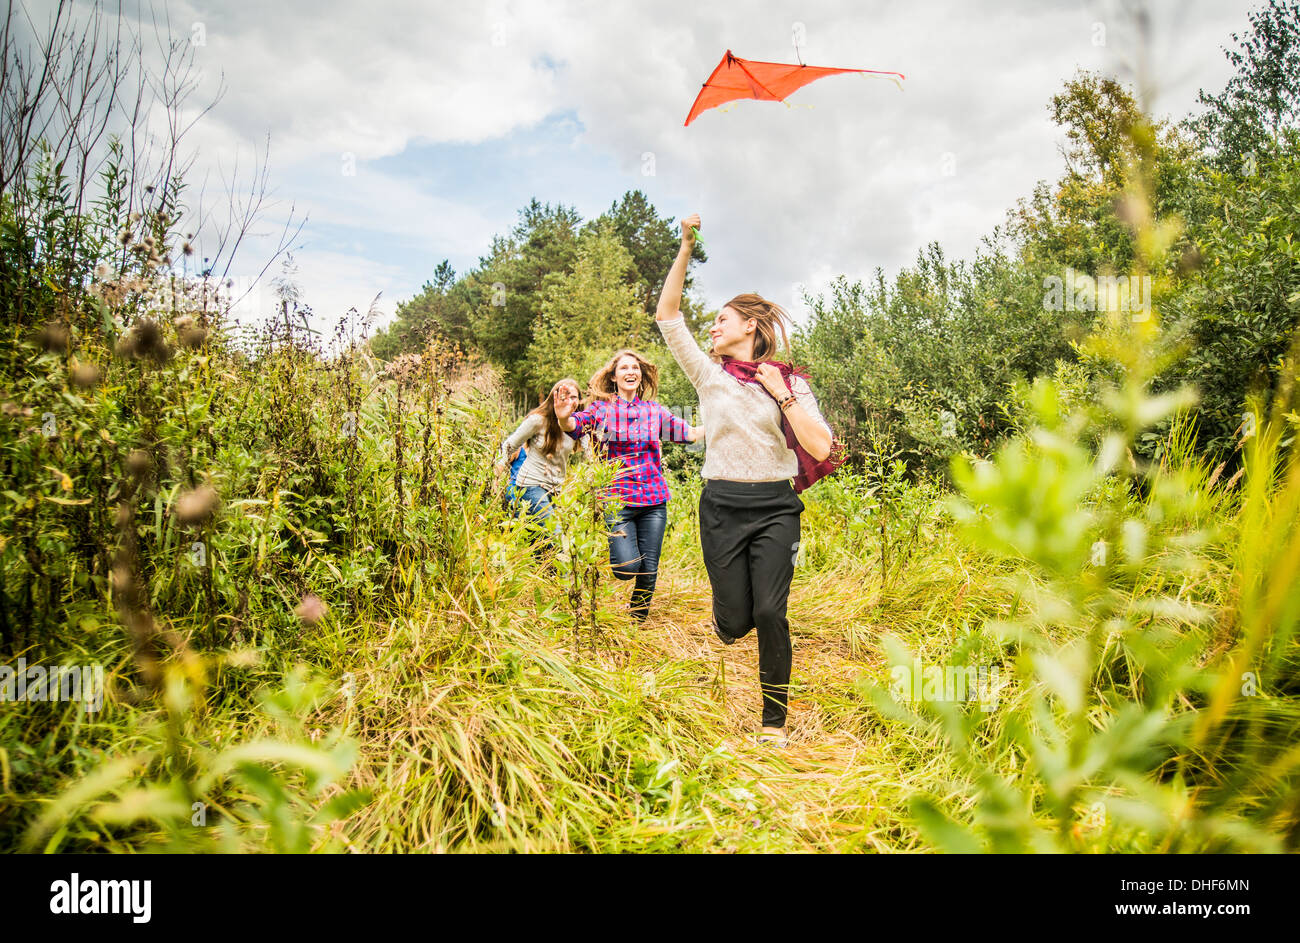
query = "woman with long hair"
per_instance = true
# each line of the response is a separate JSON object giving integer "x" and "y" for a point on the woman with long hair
{"x": 547, "y": 446}
{"x": 625, "y": 419}
{"x": 763, "y": 429}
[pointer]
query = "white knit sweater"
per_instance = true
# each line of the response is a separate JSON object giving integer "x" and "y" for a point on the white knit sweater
{"x": 538, "y": 469}
{"x": 742, "y": 423}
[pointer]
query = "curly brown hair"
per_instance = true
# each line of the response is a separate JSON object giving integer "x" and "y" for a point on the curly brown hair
{"x": 602, "y": 385}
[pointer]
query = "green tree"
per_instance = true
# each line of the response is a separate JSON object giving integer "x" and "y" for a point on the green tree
{"x": 1238, "y": 319}
{"x": 930, "y": 358}
{"x": 437, "y": 309}
{"x": 1082, "y": 220}
{"x": 588, "y": 313}
{"x": 651, "y": 241}
{"x": 1263, "y": 98}
{"x": 509, "y": 284}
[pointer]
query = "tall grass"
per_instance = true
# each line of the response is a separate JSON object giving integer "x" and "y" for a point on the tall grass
{"x": 321, "y": 630}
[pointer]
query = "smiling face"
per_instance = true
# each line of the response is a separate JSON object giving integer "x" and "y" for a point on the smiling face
{"x": 733, "y": 335}
{"x": 627, "y": 376}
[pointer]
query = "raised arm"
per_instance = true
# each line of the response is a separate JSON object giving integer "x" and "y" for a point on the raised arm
{"x": 564, "y": 414}
{"x": 670, "y": 299}
{"x": 578, "y": 423}
{"x": 695, "y": 363}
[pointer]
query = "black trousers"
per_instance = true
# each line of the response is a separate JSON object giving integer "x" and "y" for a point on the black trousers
{"x": 749, "y": 533}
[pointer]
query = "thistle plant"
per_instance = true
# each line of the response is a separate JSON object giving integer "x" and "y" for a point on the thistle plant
{"x": 577, "y": 527}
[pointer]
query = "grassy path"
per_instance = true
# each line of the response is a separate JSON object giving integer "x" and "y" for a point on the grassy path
{"x": 836, "y": 786}
{"x": 482, "y": 727}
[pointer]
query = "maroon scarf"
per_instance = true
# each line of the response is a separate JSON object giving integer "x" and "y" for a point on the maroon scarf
{"x": 810, "y": 470}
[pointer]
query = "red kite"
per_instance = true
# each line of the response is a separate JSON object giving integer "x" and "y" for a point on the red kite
{"x": 765, "y": 81}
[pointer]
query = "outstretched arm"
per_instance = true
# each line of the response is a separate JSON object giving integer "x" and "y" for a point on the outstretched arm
{"x": 578, "y": 423}
{"x": 670, "y": 299}
{"x": 678, "y": 430}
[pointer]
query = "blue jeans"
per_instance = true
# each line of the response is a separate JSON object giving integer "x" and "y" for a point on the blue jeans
{"x": 535, "y": 502}
{"x": 636, "y": 536}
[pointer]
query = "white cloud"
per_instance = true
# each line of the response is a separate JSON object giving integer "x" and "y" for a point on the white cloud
{"x": 787, "y": 195}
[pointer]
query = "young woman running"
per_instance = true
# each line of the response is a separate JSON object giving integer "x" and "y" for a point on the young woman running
{"x": 763, "y": 428}
{"x": 548, "y": 447}
{"x": 623, "y": 416}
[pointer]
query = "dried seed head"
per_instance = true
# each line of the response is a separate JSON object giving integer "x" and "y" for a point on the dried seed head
{"x": 197, "y": 506}
{"x": 125, "y": 586}
{"x": 85, "y": 375}
{"x": 406, "y": 368}
{"x": 139, "y": 463}
{"x": 148, "y": 341}
{"x": 187, "y": 249}
{"x": 134, "y": 217}
{"x": 146, "y": 333}
{"x": 125, "y": 346}
{"x": 54, "y": 337}
{"x": 102, "y": 270}
{"x": 193, "y": 337}
{"x": 121, "y": 573}
{"x": 124, "y": 237}
{"x": 184, "y": 322}
{"x": 311, "y": 610}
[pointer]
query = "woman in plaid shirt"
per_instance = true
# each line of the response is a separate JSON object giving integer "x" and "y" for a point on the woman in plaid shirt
{"x": 625, "y": 419}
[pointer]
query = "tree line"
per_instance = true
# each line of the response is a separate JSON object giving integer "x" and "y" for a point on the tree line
{"x": 936, "y": 361}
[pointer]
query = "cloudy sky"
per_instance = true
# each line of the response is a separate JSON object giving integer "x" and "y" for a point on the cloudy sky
{"x": 409, "y": 131}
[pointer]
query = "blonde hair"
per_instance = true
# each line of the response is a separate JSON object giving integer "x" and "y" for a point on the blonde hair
{"x": 772, "y": 321}
{"x": 602, "y": 385}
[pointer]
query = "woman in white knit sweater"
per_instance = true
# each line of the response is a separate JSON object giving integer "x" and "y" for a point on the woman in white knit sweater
{"x": 762, "y": 428}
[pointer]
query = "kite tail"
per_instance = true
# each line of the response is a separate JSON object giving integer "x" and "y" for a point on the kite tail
{"x": 885, "y": 76}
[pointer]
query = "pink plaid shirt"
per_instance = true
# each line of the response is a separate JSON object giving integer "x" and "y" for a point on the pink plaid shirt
{"x": 631, "y": 433}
